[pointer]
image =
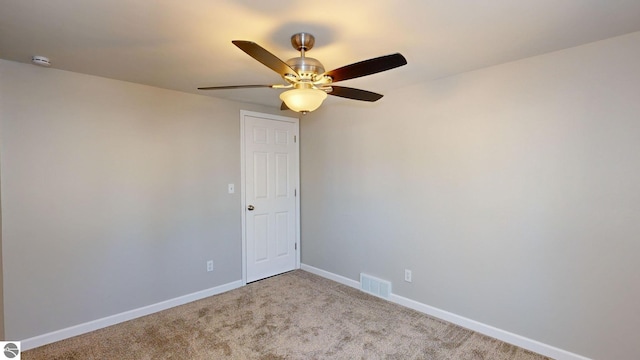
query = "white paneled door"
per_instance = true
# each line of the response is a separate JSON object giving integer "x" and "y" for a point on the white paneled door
{"x": 271, "y": 178}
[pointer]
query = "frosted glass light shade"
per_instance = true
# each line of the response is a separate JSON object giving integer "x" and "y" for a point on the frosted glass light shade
{"x": 303, "y": 100}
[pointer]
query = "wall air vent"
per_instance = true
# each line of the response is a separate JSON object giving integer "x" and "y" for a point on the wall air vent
{"x": 375, "y": 286}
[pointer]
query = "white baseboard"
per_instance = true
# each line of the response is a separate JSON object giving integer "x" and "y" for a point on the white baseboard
{"x": 331, "y": 276}
{"x": 125, "y": 316}
{"x": 502, "y": 335}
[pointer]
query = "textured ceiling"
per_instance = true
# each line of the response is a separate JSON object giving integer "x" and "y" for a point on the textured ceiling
{"x": 182, "y": 45}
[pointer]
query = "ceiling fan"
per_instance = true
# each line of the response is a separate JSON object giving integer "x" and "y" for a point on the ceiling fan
{"x": 306, "y": 79}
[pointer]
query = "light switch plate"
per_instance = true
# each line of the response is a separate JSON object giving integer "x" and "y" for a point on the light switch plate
{"x": 231, "y": 188}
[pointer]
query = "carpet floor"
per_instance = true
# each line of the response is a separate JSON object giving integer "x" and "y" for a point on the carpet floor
{"x": 296, "y": 315}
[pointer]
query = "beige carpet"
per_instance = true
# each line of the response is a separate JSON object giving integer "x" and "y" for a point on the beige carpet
{"x": 296, "y": 315}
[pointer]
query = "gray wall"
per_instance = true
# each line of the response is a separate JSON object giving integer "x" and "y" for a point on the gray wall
{"x": 1, "y": 273}
{"x": 512, "y": 193}
{"x": 114, "y": 195}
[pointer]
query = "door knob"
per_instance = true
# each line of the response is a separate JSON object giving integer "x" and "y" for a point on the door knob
{"x": 250, "y": 207}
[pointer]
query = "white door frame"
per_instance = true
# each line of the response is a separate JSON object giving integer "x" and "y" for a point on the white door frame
{"x": 243, "y": 205}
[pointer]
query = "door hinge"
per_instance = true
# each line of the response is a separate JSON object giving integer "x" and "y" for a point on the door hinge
{"x": 295, "y": 192}
{"x": 295, "y": 138}
{"x": 296, "y": 246}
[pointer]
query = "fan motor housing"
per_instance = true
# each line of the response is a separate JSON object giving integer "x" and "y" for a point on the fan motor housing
{"x": 306, "y": 67}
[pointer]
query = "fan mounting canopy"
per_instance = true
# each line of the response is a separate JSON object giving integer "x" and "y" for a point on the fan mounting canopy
{"x": 303, "y": 41}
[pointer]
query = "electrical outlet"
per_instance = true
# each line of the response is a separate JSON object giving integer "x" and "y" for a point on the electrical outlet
{"x": 407, "y": 275}
{"x": 210, "y": 265}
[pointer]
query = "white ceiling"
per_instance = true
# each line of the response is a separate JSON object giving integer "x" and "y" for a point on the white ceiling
{"x": 186, "y": 44}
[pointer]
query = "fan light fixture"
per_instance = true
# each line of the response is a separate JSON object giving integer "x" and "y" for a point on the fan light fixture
{"x": 303, "y": 100}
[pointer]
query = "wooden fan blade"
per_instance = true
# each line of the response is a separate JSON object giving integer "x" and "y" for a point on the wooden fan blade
{"x": 234, "y": 87}
{"x": 355, "y": 94}
{"x": 265, "y": 57}
{"x": 367, "y": 67}
{"x": 284, "y": 106}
